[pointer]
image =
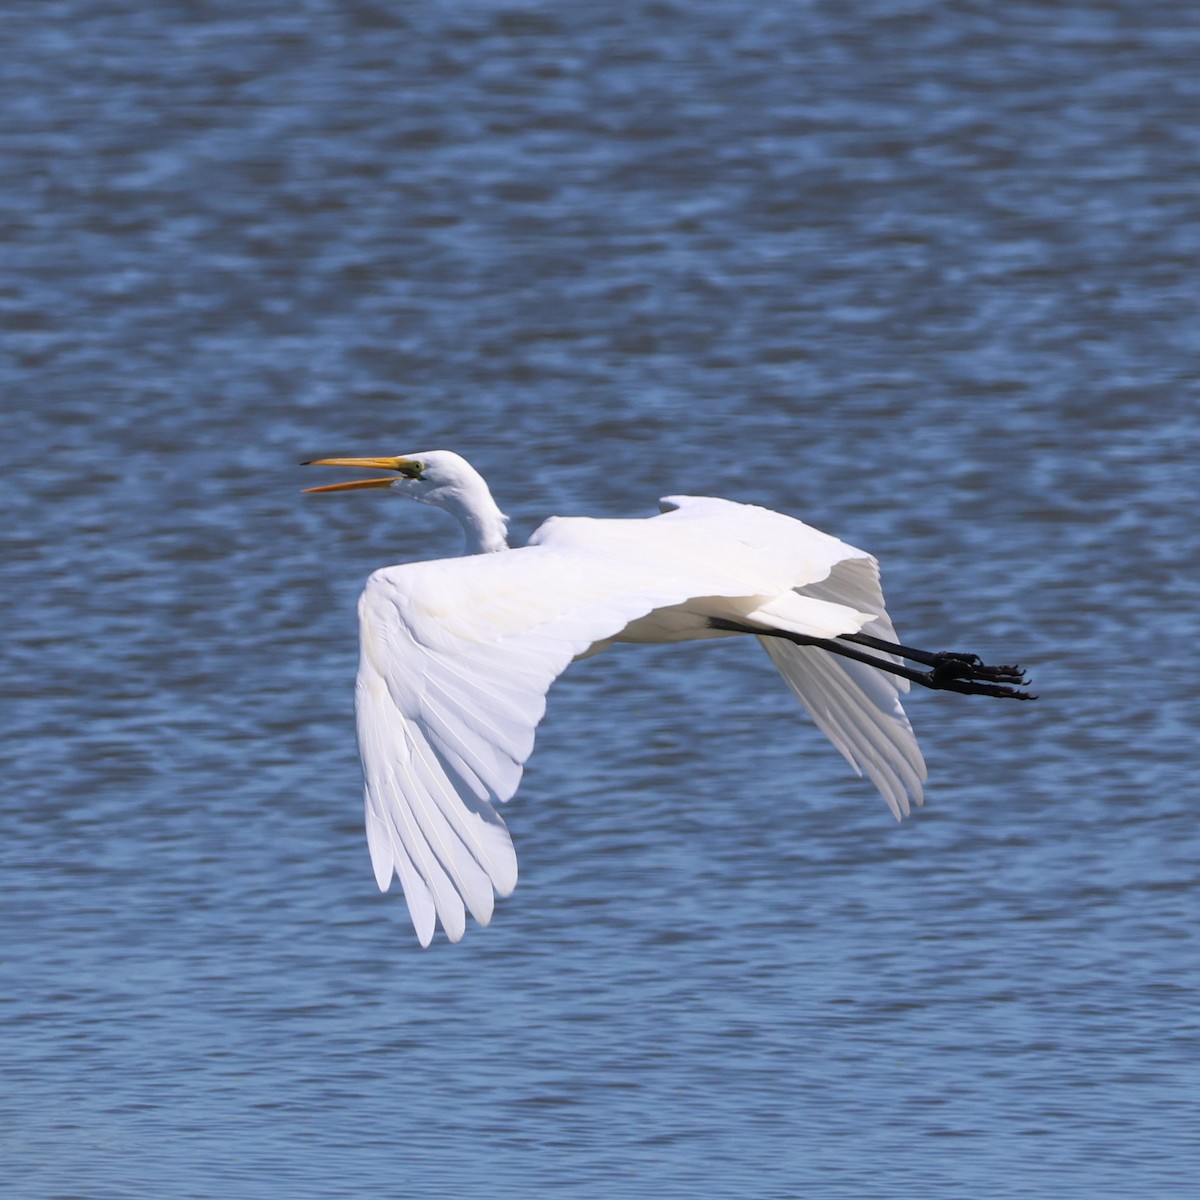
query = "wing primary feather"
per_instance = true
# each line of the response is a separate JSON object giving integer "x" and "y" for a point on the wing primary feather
{"x": 389, "y": 857}
{"x": 385, "y": 761}
{"x": 449, "y": 904}
{"x": 883, "y": 730}
{"x": 484, "y": 763}
{"x": 469, "y": 884}
{"x": 387, "y": 849}
{"x": 875, "y": 738}
{"x": 882, "y": 758}
{"x": 467, "y": 858}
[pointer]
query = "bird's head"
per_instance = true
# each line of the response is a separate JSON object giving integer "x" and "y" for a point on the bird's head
{"x": 433, "y": 477}
{"x": 438, "y": 477}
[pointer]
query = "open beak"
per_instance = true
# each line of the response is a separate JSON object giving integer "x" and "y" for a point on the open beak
{"x": 405, "y": 466}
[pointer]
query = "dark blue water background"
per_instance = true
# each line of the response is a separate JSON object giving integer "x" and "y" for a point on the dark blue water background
{"x": 924, "y": 274}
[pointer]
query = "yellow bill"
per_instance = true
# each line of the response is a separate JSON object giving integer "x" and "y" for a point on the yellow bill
{"x": 407, "y": 467}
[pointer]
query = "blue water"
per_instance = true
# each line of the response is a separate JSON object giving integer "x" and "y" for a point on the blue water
{"x": 923, "y": 274}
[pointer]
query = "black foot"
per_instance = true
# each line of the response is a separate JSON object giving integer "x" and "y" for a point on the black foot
{"x": 968, "y": 674}
{"x": 951, "y": 664}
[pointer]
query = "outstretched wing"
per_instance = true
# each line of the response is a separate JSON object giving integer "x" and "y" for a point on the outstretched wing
{"x": 457, "y": 657}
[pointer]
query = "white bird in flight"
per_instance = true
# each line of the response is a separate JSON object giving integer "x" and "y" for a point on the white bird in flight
{"x": 457, "y": 655}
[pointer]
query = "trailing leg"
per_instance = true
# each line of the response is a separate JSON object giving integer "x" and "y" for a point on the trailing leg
{"x": 974, "y": 665}
{"x": 949, "y": 672}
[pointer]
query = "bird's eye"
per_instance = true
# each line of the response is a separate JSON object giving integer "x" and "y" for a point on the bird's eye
{"x": 412, "y": 469}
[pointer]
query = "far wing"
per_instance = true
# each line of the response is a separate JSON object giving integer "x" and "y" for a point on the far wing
{"x": 855, "y": 705}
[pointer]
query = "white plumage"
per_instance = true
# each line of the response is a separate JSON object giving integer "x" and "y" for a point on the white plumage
{"x": 457, "y": 656}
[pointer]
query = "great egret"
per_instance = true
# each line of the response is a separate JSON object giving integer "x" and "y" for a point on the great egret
{"x": 457, "y": 655}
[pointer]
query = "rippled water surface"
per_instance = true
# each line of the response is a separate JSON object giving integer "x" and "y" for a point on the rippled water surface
{"x": 924, "y": 274}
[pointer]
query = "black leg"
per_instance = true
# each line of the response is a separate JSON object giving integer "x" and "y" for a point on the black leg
{"x": 972, "y": 665}
{"x": 949, "y": 672}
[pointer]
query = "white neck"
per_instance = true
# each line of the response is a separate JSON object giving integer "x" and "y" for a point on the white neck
{"x": 485, "y": 526}
{"x": 486, "y": 529}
